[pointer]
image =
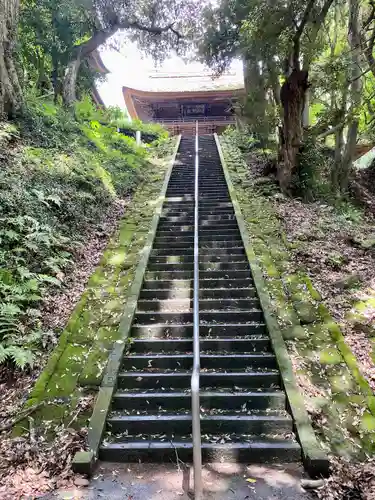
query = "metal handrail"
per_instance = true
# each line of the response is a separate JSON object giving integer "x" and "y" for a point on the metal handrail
{"x": 195, "y": 402}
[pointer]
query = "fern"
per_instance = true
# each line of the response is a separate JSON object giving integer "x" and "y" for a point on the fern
{"x": 3, "y": 353}
{"x": 9, "y": 310}
{"x": 8, "y": 326}
{"x": 20, "y": 356}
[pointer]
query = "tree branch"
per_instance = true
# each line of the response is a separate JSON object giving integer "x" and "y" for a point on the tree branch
{"x": 317, "y": 22}
{"x": 156, "y": 30}
{"x": 331, "y": 131}
{"x": 101, "y": 36}
{"x": 371, "y": 15}
{"x": 299, "y": 32}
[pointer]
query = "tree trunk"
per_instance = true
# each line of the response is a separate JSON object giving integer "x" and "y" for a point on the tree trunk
{"x": 256, "y": 100}
{"x": 10, "y": 90}
{"x": 292, "y": 99}
{"x": 339, "y": 140}
{"x": 306, "y": 110}
{"x": 355, "y": 94}
{"x": 70, "y": 81}
{"x": 339, "y": 146}
{"x": 79, "y": 55}
{"x": 55, "y": 78}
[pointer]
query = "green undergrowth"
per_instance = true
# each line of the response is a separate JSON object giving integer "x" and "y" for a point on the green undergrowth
{"x": 62, "y": 172}
{"x": 337, "y": 396}
{"x": 76, "y": 366}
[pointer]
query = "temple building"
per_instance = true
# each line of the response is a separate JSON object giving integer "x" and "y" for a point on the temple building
{"x": 177, "y": 101}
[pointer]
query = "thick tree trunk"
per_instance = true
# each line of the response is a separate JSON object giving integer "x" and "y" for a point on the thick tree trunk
{"x": 292, "y": 99}
{"x": 70, "y": 81}
{"x": 355, "y": 94}
{"x": 10, "y": 90}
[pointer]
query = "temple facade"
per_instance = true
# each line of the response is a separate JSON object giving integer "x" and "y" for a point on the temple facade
{"x": 178, "y": 101}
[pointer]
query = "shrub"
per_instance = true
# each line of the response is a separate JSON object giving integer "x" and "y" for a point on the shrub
{"x": 62, "y": 173}
{"x": 241, "y": 139}
{"x": 312, "y": 180}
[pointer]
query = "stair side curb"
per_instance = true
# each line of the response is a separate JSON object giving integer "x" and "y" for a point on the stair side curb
{"x": 315, "y": 460}
{"x": 86, "y": 461}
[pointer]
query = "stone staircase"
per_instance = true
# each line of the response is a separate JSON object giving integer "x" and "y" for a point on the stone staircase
{"x": 243, "y": 406}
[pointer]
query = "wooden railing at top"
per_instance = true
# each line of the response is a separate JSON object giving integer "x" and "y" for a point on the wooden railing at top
{"x": 192, "y": 120}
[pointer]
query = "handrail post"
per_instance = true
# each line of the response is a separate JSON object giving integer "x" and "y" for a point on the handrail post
{"x": 195, "y": 401}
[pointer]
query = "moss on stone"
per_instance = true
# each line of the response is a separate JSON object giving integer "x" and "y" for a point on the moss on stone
{"x": 64, "y": 379}
{"x": 295, "y": 332}
{"x": 307, "y": 312}
{"x": 327, "y": 364}
{"x": 330, "y": 356}
{"x": 96, "y": 362}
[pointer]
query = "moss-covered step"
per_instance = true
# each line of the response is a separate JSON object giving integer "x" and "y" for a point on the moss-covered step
{"x": 336, "y": 394}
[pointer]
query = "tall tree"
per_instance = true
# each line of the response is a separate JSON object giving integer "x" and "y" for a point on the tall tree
{"x": 49, "y": 31}
{"x": 355, "y": 92}
{"x": 283, "y": 38}
{"x": 10, "y": 91}
{"x": 157, "y": 26}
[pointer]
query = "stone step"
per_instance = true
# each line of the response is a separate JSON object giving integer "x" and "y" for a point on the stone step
{"x": 204, "y": 293}
{"x": 189, "y": 259}
{"x": 236, "y": 401}
{"x": 219, "y": 317}
{"x": 222, "y": 274}
{"x": 172, "y": 284}
{"x": 141, "y": 380}
{"x": 186, "y": 305}
{"x": 181, "y": 424}
{"x": 254, "y": 451}
{"x": 204, "y": 252}
{"x": 170, "y": 331}
{"x": 258, "y": 344}
{"x": 150, "y": 363}
{"x": 203, "y": 266}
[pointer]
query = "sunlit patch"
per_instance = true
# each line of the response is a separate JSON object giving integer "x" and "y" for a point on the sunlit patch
{"x": 174, "y": 259}
{"x": 273, "y": 476}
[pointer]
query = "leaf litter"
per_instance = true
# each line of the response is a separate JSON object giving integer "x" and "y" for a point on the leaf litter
{"x": 30, "y": 469}
{"x": 34, "y": 464}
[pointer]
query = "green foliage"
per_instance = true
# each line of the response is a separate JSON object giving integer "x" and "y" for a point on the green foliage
{"x": 241, "y": 139}
{"x": 66, "y": 172}
{"x": 49, "y": 32}
{"x": 312, "y": 181}
{"x": 154, "y": 130}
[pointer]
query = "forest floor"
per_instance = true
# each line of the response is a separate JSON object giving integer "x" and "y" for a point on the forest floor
{"x": 335, "y": 246}
{"x": 23, "y": 468}
{"x": 337, "y": 250}
{"x": 318, "y": 262}
{"x": 100, "y": 196}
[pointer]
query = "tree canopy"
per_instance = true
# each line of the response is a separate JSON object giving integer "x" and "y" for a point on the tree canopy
{"x": 56, "y": 38}
{"x": 308, "y": 65}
